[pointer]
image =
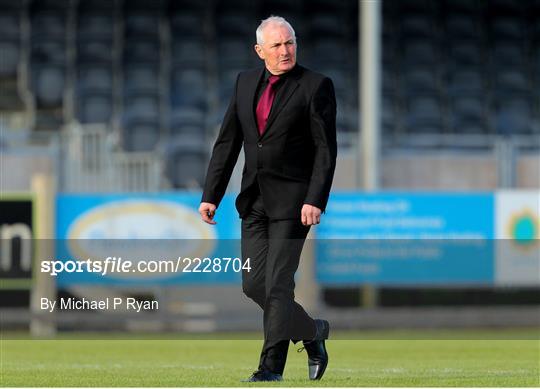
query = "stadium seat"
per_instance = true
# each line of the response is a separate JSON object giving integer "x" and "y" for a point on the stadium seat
{"x": 95, "y": 78}
{"x": 145, "y": 25}
{"x": 141, "y": 50}
{"x": 324, "y": 25}
{"x": 142, "y": 106}
{"x": 468, "y": 114}
{"x": 234, "y": 53}
{"x": 10, "y": 58}
{"x": 186, "y": 163}
{"x": 462, "y": 7}
{"x": 506, "y": 28}
{"x": 95, "y": 107}
{"x": 107, "y": 6}
{"x": 508, "y": 55}
{"x": 420, "y": 80}
{"x": 420, "y": 52}
{"x": 236, "y": 24}
{"x": 188, "y": 88}
{"x": 95, "y": 26}
{"x": 187, "y": 25}
{"x": 141, "y": 78}
{"x": 464, "y": 53}
{"x": 462, "y": 28}
{"x": 508, "y": 83}
{"x": 189, "y": 52}
{"x": 465, "y": 82}
{"x": 417, "y": 27}
{"x": 48, "y": 25}
{"x": 48, "y": 51}
{"x": 141, "y": 134}
{"x": 48, "y": 85}
{"x": 10, "y": 26}
{"x": 182, "y": 117}
{"x": 424, "y": 114}
{"x": 95, "y": 51}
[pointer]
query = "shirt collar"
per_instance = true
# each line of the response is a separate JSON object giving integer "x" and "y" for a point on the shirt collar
{"x": 282, "y": 77}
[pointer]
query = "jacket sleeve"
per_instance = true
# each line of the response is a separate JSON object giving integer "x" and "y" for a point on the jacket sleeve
{"x": 224, "y": 155}
{"x": 323, "y": 132}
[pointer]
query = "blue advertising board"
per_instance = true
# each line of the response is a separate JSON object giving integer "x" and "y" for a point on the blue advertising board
{"x": 147, "y": 230}
{"x": 406, "y": 239}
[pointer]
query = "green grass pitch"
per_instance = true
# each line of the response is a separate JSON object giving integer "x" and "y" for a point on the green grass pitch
{"x": 455, "y": 358}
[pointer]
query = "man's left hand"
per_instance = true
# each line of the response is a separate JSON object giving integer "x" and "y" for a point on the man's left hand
{"x": 311, "y": 215}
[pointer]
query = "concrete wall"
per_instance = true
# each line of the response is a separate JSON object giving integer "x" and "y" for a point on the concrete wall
{"x": 441, "y": 171}
{"x": 16, "y": 170}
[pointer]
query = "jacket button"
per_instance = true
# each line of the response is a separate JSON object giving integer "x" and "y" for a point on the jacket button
{"x": 259, "y": 145}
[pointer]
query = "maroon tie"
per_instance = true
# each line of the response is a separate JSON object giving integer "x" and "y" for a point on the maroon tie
{"x": 265, "y": 103}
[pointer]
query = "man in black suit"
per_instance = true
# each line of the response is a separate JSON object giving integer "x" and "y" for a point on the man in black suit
{"x": 284, "y": 115}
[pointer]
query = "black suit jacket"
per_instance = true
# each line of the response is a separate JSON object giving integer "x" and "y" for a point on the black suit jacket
{"x": 293, "y": 162}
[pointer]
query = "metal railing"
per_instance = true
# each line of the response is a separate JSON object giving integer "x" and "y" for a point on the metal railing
{"x": 90, "y": 163}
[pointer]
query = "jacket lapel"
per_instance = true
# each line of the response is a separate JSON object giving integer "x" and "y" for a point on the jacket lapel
{"x": 252, "y": 91}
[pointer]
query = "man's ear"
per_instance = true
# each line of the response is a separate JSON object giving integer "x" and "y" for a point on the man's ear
{"x": 259, "y": 51}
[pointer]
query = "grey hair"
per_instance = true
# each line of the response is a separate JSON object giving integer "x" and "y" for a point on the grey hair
{"x": 273, "y": 20}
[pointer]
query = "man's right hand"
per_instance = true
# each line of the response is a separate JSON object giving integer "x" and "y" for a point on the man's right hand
{"x": 207, "y": 211}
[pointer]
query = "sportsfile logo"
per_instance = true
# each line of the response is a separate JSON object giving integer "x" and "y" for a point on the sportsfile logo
{"x": 114, "y": 265}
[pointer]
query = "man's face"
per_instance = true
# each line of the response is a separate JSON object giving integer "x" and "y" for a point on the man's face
{"x": 278, "y": 49}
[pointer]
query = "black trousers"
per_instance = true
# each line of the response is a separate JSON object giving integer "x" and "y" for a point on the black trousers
{"x": 274, "y": 248}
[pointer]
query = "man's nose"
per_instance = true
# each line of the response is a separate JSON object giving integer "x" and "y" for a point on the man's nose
{"x": 283, "y": 50}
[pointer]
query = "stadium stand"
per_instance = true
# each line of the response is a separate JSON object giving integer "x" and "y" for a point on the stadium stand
{"x": 158, "y": 71}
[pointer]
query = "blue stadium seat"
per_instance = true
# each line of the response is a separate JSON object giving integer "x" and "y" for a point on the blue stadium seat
{"x": 49, "y": 25}
{"x": 236, "y": 24}
{"x": 419, "y": 80}
{"x": 141, "y": 78}
{"x": 141, "y": 50}
{"x": 95, "y": 51}
{"x": 138, "y": 24}
{"x": 95, "y": 26}
{"x": 187, "y": 25}
{"x": 95, "y": 107}
{"x": 468, "y": 114}
{"x": 507, "y": 54}
{"x": 142, "y": 106}
{"x": 462, "y": 28}
{"x": 324, "y": 25}
{"x": 141, "y": 134}
{"x": 10, "y": 58}
{"x": 511, "y": 82}
{"x": 424, "y": 115}
{"x": 189, "y": 52}
{"x": 234, "y": 53}
{"x": 464, "y": 53}
{"x": 466, "y": 81}
{"x": 188, "y": 88}
{"x": 48, "y": 51}
{"x": 10, "y": 26}
{"x": 462, "y": 7}
{"x": 417, "y": 27}
{"x": 515, "y": 117}
{"x": 186, "y": 162}
{"x": 420, "y": 52}
{"x": 48, "y": 85}
{"x": 506, "y": 28}
{"x": 95, "y": 78}
{"x": 187, "y": 116}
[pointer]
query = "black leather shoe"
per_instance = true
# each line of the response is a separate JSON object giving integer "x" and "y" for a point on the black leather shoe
{"x": 316, "y": 349}
{"x": 264, "y": 375}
